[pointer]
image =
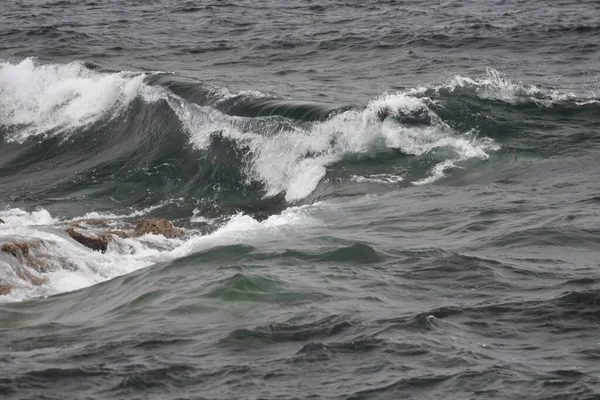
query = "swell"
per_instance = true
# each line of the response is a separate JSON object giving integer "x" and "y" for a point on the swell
{"x": 224, "y": 269}
{"x": 462, "y": 346}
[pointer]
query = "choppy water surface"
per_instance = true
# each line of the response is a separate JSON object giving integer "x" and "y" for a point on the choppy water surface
{"x": 380, "y": 199}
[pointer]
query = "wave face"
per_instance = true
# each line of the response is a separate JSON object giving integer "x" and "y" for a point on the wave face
{"x": 164, "y": 126}
{"x": 182, "y": 138}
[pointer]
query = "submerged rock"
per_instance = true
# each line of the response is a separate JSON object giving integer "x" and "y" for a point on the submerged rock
{"x": 5, "y": 289}
{"x": 98, "y": 240}
{"x": 21, "y": 251}
{"x": 119, "y": 233}
{"x": 75, "y": 225}
{"x": 157, "y": 227}
{"x": 29, "y": 276}
{"x": 16, "y": 249}
{"x": 99, "y": 243}
{"x": 41, "y": 264}
{"x": 98, "y": 222}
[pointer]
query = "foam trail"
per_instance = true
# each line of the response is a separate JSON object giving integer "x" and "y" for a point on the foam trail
{"x": 378, "y": 178}
{"x": 133, "y": 214}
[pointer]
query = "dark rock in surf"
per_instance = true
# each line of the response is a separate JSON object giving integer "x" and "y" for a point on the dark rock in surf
{"x": 119, "y": 233}
{"x": 5, "y": 289}
{"x": 24, "y": 273}
{"x": 99, "y": 243}
{"x": 75, "y": 225}
{"x": 16, "y": 249}
{"x": 1, "y": 221}
{"x": 21, "y": 251}
{"x": 157, "y": 227}
{"x": 40, "y": 264}
{"x": 97, "y": 222}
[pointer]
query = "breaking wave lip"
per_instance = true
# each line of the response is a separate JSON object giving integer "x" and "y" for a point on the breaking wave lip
{"x": 287, "y": 155}
{"x": 287, "y": 146}
{"x": 497, "y": 87}
{"x": 55, "y": 99}
{"x": 293, "y": 158}
{"x": 70, "y": 266}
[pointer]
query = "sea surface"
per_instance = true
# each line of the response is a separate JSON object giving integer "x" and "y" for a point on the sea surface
{"x": 380, "y": 199}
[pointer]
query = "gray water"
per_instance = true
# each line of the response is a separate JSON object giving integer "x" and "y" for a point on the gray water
{"x": 380, "y": 200}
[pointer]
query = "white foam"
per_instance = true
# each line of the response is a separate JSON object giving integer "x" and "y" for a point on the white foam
{"x": 43, "y": 99}
{"x": 288, "y": 158}
{"x": 78, "y": 267}
{"x": 197, "y": 218}
{"x": 292, "y": 158}
{"x": 17, "y": 217}
{"x": 133, "y": 214}
{"x": 439, "y": 171}
{"x": 378, "y": 178}
{"x": 495, "y": 87}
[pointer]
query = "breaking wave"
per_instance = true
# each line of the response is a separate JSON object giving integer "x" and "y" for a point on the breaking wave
{"x": 115, "y": 146}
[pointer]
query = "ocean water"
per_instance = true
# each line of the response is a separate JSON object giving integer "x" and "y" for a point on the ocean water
{"x": 380, "y": 199}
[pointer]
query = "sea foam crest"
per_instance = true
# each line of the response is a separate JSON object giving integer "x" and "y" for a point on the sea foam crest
{"x": 43, "y": 99}
{"x": 497, "y": 87}
{"x": 293, "y": 158}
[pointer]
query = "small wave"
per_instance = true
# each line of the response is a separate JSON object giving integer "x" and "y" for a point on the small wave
{"x": 284, "y": 332}
{"x": 358, "y": 253}
{"x": 133, "y": 214}
{"x": 568, "y": 312}
{"x": 497, "y": 87}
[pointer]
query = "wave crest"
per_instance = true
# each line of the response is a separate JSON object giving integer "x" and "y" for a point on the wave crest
{"x": 44, "y": 99}
{"x": 292, "y": 158}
